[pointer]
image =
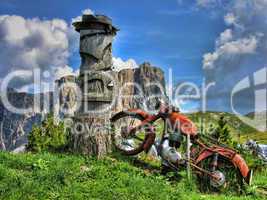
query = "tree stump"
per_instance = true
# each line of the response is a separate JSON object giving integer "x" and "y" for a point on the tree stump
{"x": 94, "y": 138}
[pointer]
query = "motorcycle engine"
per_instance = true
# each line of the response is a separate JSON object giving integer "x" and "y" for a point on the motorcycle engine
{"x": 169, "y": 152}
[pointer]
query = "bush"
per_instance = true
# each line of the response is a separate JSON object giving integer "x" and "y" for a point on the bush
{"x": 48, "y": 137}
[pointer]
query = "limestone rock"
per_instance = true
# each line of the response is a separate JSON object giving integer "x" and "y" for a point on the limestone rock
{"x": 140, "y": 85}
{"x": 14, "y": 128}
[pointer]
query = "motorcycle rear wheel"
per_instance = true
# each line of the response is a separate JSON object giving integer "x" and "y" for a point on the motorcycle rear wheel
{"x": 233, "y": 180}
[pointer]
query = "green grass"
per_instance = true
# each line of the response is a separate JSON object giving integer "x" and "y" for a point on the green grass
{"x": 62, "y": 176}
{"x": 260, "y": 137}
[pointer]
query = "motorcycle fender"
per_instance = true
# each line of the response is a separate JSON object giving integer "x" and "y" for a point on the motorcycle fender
{"x": 241, "y": 164}
{"x": 236, "y": 160}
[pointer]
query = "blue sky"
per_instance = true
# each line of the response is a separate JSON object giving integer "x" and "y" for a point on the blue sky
{"x": 219, "y": 40}
{"x": 164, "y": 33}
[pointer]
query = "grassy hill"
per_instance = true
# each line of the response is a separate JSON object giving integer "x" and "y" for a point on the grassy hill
{"x": 66, "y": 176}
{"x": 61, "y": 176}
{"x": 239, "y": 130}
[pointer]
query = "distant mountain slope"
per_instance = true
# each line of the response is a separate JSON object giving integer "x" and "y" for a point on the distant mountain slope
{"x": 239, "y": 130}
{"x": 252, "y": 114}
{"x": 15, "y": 127}
{"x": 260, "y": 118}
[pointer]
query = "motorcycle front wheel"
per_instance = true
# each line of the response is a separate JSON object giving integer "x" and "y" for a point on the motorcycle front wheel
{"x": 135, "y": 142}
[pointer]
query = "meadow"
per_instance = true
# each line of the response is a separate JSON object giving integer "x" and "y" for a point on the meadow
{"x": 66, "y": 176}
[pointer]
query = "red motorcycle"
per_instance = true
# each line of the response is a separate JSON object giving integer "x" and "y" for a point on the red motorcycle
{"x": 217, "y": 166}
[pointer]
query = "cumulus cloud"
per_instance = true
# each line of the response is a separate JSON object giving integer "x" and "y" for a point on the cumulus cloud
{"x": 239, "y": 51}
{"x": 119, "y": 64}
{"x": 84, "y": 12}
{"x": 28, "y": 44}
{"x": 227, "y": 50}
{"x": 229, "y": 19}
{"x": 240, "y": 46}
{"x": 225, "y": 36}
{"x": 65, "y": 71}
{"x": 209, "y": 60}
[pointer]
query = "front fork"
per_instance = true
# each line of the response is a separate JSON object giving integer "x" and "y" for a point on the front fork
{"x": 214, "y": 163}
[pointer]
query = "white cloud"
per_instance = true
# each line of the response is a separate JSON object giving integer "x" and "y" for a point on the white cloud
{"x": 230, "y": 19}
{"x": 225, "y": 36}
{"x": 238, "y": 47}
{"x": 209, "y": 60}
{"x": 119, "y": 64}
{"x": 88, "y": 12}
{"x": 84, "y": 12}
{"x": 32, "y": 43}
{"x": 76, "y": 19}
{"x": 28, "y": 44}
{"x": 65, "y": 71}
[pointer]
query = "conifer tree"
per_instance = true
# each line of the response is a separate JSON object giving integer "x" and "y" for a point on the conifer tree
{"x": 222, "y": 132}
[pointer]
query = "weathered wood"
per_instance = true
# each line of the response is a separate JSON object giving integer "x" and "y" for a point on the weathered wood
{"x": 94, "y": 81}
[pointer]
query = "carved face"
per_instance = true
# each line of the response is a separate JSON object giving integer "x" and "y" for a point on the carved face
{"x": 96, "y": 50}
{"x": 97, "y": 86}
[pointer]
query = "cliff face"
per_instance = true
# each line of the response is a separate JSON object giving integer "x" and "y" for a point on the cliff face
{"x": 135, "y": 86}
{"x": 138, "y": 86}
{"x": 15, "y": 127}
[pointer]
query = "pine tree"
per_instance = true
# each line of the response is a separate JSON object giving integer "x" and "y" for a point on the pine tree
{"x": 222, "y": 133}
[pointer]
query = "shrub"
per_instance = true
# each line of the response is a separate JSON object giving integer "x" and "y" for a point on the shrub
{"x": 49, "y": 136}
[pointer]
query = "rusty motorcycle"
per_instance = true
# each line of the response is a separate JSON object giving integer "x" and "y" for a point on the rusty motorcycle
{"x": 216, "y": 165}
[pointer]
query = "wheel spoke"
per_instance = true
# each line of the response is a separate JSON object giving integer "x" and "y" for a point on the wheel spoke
{"x": 126, "y": 143}
{"x": 138, "y": 138}
{"x": 132, "y": 122}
